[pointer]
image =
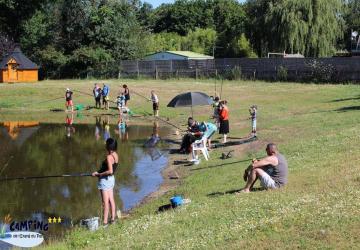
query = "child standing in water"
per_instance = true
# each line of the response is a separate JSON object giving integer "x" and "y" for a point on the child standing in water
{"x": 68, "y": 99}
{"x": 253, "y": 113}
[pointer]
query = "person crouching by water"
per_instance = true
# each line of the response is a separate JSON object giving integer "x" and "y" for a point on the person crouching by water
{"x": 191, "y": 136}
{"x": 107, "y": 180}
{"x": 271, "y": 170}
{"x": 224, "y": 119}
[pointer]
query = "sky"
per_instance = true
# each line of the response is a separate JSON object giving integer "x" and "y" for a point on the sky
{"x": 156, "y": 3}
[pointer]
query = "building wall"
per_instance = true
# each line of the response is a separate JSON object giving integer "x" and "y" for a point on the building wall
{"x": 165, "y": 56}
{"x": 30, "y": 75}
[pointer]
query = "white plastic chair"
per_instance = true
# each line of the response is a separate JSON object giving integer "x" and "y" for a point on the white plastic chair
{"x": 200, "y": 145}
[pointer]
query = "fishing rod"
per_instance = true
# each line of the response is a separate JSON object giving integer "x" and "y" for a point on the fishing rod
{"x": 163, "y": 120}
{"x": 32, "y": 103}
{"x": 136, "y": 93}
{"x": 44, "y": 176}
{"x": 215, "y": 88}
{"x": 222, "y": 81}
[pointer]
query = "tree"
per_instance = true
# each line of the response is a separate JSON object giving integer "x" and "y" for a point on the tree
{"x": 311, "y": 27}
{"x": 243, "y": 47}
{"x": 229, "y": 21}
{"x": 182, "y": 16}
{"x": 163, "y": 41}
{"x": 200, "y": 41}
{"x": 13, "y": 13}
{"x": 352, "y": 20}
{"x": 6, "y": 44}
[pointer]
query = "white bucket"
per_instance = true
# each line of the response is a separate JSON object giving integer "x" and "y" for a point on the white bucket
{"x": 92, "y": 224}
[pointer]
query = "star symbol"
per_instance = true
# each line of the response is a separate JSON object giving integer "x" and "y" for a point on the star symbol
{"x": 59, "y": 220}
{"x": 54, "y": 220}
{"x": 49, "y": 220}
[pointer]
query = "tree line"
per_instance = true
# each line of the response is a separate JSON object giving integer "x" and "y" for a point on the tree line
{"x": 69, "y": 38}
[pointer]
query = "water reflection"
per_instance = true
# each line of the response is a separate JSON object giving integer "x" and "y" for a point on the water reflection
{"x": 69, "y": 125}
{"x": 42, "y": 149}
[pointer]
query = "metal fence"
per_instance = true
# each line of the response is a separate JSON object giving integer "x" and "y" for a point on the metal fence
{"x": 296, "y": 69}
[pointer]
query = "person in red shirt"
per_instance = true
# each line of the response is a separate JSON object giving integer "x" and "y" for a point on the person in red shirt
{"x": 224, "y": 119}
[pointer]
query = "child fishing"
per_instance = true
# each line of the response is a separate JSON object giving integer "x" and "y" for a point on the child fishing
{"x": 155, "y": 102}
{"x": 253, "y": 113}
{"x": 68, "y": 100}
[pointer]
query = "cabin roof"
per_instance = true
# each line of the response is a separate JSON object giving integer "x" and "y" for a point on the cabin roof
{"x": 22, "y": 61}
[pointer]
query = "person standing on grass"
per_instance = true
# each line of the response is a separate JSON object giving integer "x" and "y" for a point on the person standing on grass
{"x": 97, "y": 95}
{"x": 107, "y": 180}
{"x": 155, "y": 102}
{"x": 271, "y": 170}
{"x": 253, "y": 114}
{"x": 224, "y": 120}
{"x": 68, "y": 100}
{"x": 207, "y": 129}
{"x": 126, "y": 94}
{"x": 105, "y": 94}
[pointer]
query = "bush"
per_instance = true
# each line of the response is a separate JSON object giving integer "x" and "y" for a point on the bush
{"x": 282, "y": 73}
{"x": 233, "y": 74}
{"x": 321, "y": 72}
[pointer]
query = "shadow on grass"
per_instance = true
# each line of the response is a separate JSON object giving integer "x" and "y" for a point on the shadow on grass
{"x": 234, "y": 143}
{"x": 346, "y": 99}
{"x": 233, "y": 191}
{"x": 346, "y": 109}
{"x": 221, "y": 165}
{"x": 164, "y": 208}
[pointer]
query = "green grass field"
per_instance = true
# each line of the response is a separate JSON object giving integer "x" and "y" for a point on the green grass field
{"x": 315, "y": 126}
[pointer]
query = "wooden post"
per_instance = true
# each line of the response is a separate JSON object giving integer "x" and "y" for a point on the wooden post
{"x": 156, "y": 73}
{"x": 137, "y": 67}
{"x": 196, "y": 73}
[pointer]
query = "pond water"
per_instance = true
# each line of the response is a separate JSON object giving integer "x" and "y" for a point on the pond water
{"x": 36, "y": 149}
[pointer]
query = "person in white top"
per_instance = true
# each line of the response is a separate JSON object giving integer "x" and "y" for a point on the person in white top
{"x": 155, "y": 102}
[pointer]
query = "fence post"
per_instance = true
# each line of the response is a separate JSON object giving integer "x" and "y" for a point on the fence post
{"x": 137, "y": 67}
{"x": 156, "y": 73}
{"x": 177, "y": 74}
{"x": 196, "y": 73}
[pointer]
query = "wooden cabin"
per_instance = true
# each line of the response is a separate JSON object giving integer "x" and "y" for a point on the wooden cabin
{"x": 16, "y": 67}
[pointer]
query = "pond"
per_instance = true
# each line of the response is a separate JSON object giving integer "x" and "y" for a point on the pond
{"x": 30, "y": 148}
